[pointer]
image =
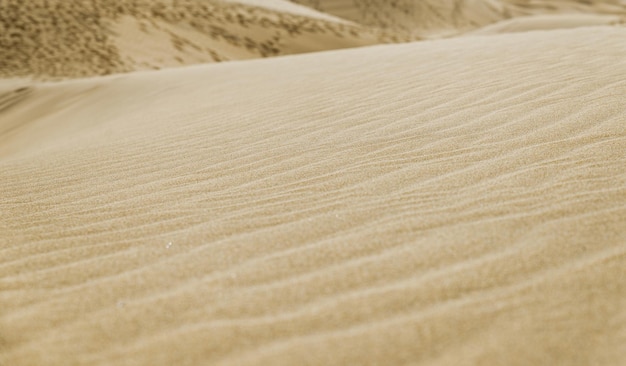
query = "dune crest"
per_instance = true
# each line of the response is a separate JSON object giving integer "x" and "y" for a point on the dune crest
{"x": 289, "y": 7}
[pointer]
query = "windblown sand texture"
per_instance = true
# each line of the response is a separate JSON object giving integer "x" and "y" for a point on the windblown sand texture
{"x": 458, "y": 201}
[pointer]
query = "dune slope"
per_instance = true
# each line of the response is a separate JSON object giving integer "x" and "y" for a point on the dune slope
{"x": 447, "y": 202}
{"x": 435, "y": 18}
{"x": 423, "y": 17}
{"x": 61, "y": 39}
{"x": 549, "y": 22}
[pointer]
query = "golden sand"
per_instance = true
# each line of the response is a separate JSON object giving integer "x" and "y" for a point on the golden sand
{"x": 458, "y": 201}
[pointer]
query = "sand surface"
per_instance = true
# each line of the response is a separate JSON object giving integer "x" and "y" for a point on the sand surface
{"x": 456, "y": 201}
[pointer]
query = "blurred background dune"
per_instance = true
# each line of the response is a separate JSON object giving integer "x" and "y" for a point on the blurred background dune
{"x": 52, "y": 39}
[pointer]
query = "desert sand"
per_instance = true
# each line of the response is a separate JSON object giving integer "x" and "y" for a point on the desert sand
{"x": 312, "y": 183}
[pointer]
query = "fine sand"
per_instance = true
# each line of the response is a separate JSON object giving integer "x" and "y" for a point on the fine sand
{"x": 457, "y": 201}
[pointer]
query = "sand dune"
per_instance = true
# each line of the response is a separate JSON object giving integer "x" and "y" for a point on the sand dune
{"x": 448, "y": 202}
{"x": 287, "y": 6}
{"x": 435, "y": 18}
{"x": 550, "y": 22}
{"x": 428, "y": 17}
{"x": 457, "y": 201}
{"x": 60, "y": 39}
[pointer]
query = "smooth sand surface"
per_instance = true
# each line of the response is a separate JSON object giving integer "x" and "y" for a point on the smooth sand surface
{"x": 550, "y": 22}
{"x": 287, "y": 6}
{"x": 446, "y": 202}
{"x": 436, "y": 18}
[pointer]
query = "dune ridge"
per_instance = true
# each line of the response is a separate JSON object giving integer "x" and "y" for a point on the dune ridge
{"x": 463, "y": 204}
{"x": 289, "y": 7}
